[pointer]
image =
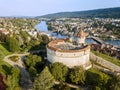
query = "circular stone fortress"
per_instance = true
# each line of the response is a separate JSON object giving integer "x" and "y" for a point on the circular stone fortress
{"x": 70, "y": 52}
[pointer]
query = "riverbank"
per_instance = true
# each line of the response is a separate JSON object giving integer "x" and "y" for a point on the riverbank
{"x": 43, "y": 27}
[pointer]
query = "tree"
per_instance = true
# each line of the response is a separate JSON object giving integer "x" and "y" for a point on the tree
{"x": 61, "y": 86}
{"x": 32, "y": 71}
{"x": 12, "y": 44}
{"x": 39, "y": 37}
{"x": 97, "y": 78}
{"x": 45, "y": 39}
{"x": 34, "y": 64}
{"x": 24, "y": 35}
{"x": 33, "y": 42}
{"x": 115, "y": 85}
{"x": 32, "y": 60}
{"x": 95, "y": 88}
{"x": 13, "y": 79}
{"x": 77, "y": 75}
{"x": 50, "y": 27}
{"x": 59, "y": 71}
{"x": 44, "y": 81}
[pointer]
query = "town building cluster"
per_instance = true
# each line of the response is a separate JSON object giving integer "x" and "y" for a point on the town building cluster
{"x": 10, "y": 26}
{"x": 94, "y": 26}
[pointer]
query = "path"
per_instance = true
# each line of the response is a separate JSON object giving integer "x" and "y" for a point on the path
{"x": 73, "y": 86}
{"x": 25, "y": 80}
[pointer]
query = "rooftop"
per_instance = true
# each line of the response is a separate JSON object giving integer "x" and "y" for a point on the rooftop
{"x": 68, "y": 46}
{"x": 81, "y": 33}
{"x": 62, "y": 45}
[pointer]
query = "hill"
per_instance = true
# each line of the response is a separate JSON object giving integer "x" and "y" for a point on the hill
{"x": 102, "y": 13}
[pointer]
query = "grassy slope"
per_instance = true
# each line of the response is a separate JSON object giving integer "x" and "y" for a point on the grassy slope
{"x": 3, "y": 53}
{"x": 5, "y": 69}
{"x": 108, "y": 58}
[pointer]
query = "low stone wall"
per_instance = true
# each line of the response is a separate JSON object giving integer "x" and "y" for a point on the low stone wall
{"x": 107, "y": 71}
{"x": 105, "y": 63}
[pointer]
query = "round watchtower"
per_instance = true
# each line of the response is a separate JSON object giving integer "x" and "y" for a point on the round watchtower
{"x": 80, "y": 37}
{"x": 69, "y": 54}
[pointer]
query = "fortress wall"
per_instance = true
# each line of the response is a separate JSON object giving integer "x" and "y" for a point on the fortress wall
{"x": 68, "y": 54}
{"x": 104, "y": 63}
{"x": 69, "y": 59}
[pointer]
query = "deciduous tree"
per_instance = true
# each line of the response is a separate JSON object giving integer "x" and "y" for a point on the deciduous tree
{"x": 115, "y": 85}
{"x": 77, "y": 75}
{"x": 12, "y": 44}
{"x": 59, "y": 71}
{"x": 44, "y": 81}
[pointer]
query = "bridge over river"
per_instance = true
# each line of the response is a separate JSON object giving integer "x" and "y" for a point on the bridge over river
{"x": 98, "y": 40}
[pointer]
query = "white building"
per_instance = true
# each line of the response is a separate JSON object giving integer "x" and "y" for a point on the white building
{"x": 32, "y": 33}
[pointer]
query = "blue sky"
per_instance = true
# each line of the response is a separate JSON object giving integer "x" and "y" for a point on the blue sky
{"x": 42, "y": 7}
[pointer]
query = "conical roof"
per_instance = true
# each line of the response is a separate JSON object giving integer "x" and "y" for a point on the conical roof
{"x": 81, "y": 33}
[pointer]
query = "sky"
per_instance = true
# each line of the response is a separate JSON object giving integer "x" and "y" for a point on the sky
{"x": 42, "y": 7}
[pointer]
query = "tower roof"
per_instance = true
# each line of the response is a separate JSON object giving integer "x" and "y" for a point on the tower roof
{"x": 81, "y": 33}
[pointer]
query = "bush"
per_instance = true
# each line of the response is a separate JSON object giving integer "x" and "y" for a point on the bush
{"x": 97, "y": 78}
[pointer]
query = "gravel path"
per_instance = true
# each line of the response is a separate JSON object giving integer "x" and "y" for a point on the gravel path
{"x": 25, "y": 80}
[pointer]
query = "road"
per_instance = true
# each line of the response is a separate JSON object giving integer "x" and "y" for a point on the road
{"x": 25, "y": 80}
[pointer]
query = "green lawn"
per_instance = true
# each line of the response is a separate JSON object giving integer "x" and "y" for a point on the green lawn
{"x": 108, "y": 58}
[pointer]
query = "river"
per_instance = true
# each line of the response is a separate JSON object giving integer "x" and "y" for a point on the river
{"x": 42, "y": 26}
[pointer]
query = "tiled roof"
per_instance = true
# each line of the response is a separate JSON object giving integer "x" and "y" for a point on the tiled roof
{"x": 81, "y": 33}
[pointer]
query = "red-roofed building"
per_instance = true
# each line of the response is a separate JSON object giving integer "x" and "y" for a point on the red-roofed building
{"x": 4, "y": 31}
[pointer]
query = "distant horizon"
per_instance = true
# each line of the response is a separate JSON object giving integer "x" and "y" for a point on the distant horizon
{"x": 43, "y": 7}
{"x": 57, "y": 12}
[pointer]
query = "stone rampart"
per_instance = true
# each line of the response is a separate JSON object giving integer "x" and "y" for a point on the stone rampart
{"x": 105, "y": 63}
{"x": 69, "y": 59}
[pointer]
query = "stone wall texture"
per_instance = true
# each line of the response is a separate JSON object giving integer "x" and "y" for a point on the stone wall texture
{"x": 69, "y": 59}
{"x": 105, "y": 63}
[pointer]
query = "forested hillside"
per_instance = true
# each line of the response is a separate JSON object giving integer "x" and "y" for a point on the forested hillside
{"x": 102, "y": 13}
